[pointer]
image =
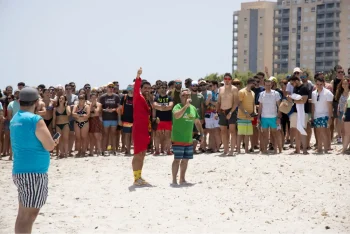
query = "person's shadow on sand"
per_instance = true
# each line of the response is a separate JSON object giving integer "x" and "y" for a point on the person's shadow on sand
{"x": 133, "y": 187}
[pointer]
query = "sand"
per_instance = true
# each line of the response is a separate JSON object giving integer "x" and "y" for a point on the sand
{"x": 249, "y": 193}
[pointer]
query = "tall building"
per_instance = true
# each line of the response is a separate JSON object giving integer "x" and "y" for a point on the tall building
{"x": 253, "y": 36}
{"x": 311, "y": 33}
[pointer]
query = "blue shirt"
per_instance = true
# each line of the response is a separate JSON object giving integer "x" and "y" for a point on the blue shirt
{"x": 29, "y": 155}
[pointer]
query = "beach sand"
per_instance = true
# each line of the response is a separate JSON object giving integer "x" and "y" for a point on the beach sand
{"x": 249, "y": 193}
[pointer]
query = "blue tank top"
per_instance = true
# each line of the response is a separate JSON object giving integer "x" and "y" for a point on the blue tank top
{"x": 29, "y": 155}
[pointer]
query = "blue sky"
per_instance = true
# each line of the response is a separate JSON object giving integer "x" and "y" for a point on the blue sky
{"x": 97, "y": 41}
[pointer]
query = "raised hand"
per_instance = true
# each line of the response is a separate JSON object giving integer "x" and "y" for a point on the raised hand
{"x": 139, "y": 72}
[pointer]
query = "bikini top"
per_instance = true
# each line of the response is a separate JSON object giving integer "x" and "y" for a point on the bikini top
{"x": 49, "y": 108}
{"x": 63, "y": 113}
{"x": 93, "y": 111}
{"x": 82, "y": 111}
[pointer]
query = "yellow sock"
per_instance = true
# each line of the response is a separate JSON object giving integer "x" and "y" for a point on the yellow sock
{"x": 137, "y": 175}
{"x": 140, "y": 173}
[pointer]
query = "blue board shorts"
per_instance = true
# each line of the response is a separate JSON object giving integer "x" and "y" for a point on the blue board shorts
{"x": 110, "y": 123}
{"x": 269, "y": 122}
{"x": 321, "y": 122}
{"x": 183, "y": 151}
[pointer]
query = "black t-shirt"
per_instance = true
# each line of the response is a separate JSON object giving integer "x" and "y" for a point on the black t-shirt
{"x": 302, "y": 90}
{"x": 257, "y": 92}
{"x": 110, "y": 102}
{"x": 164, "y": 101}
{"x": 128, "y": 108}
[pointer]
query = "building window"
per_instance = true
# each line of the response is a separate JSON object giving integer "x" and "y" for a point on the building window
{"x": 245, "y": 19}
{"x": 245, "y": 35}
{"x": 260, "y": 34}
{"x": 294, "y": 30}
{"x": 306, "y": 1}
{"x": 245, "y": 52}
{"x": 313, "y": 9}
{"x": 306, "y": 29}
{"x": 245, "y": 61}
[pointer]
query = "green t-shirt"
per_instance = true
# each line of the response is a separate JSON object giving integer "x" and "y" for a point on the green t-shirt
{"x": 183, "y": 127}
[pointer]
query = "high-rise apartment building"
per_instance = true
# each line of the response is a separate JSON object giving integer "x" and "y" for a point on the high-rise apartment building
{"x": 311, "y": 33}
{"x": 253, "y": 36}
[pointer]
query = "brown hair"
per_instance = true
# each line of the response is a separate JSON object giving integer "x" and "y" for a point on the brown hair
{"x": 340, "y": 89}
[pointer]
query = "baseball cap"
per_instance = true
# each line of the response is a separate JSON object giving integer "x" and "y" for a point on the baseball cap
{"x": 194, "y": 82}
{"x": 273, "y": 79}
{"x": 297, "y": 69}
{"x": 110, "y": 84}
{"x": 28, "y": 94}
{"x": 130, "y": 87}
{"x": 21, "y": 84}
{"x": 202, "y": 82}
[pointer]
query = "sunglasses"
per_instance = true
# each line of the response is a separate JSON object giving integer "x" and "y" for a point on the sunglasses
{"x": 178, "y": 83}
{"x": 227, "y": 78}
{"x": 87, "y": 88}
{"x": 341, "y": 72}
{"x": 81, "y": 98}
{"x": 302, "y": 77}
{"x": 296, "y": 73}
{"x": 185, "y": 95}
{"x": 195, "y": 86}
{"x": 68, "y": 88}
{"x": 111, "y": 87}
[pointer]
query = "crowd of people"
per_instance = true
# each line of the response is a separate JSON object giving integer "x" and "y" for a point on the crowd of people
{"x": 100, "y": 120}
{"x": 263, "y": 115}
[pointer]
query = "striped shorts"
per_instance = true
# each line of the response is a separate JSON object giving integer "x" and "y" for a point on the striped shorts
{"x": 32, "y": 189}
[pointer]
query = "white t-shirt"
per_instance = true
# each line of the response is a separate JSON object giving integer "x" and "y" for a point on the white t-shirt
{"x": 321, "y": 106}
{"x": 269, "y": 101}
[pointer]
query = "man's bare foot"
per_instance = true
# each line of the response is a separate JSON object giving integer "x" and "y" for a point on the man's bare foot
{"x": 231, "y": 153}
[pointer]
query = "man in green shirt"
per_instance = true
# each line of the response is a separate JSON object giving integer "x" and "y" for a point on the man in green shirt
{"x": 185, "y": 116}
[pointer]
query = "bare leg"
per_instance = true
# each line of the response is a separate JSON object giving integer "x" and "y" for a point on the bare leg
{"x": 127, "y": 140}
{"x": 167, "y": 141}
{"x": 233, "y": 133}
{"x": 183, "y": 169}
{"x": 98, "y": 137}
{"x": 175, "y": 169}
{"x": 25, "y": 219}
{"x": 224, "y": 138}
{"x": 84, "y": 131}
{"x": 65, "y": 135}
{"x": 113, "y": 134}
{"x": 157, "y": 141}
{"x": 78, "y": 140}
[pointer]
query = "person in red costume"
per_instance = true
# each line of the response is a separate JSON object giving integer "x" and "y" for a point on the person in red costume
{"x": 140, "y": 129}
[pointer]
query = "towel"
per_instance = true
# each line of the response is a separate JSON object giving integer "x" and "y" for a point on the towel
{"x": 301, "y": 114}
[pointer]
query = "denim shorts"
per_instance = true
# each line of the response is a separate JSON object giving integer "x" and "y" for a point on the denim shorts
{"x": 110, "y": 123}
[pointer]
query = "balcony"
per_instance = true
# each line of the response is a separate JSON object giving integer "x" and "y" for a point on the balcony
{"x": 331, "y": 20}
{"x": 331, "y": 58}
{"x": 235, "y": 63}
{"x": 235, "y": 55}
{"x": 327, "y": 49}
{"x": 321, "y": 11}
{"x": 321, "y": 20}
{"x": 235, "y": 21}
{"x": 333, "y": 38}
{"x": 280, "y": 61}
{"x": 235, "y": 38}
{"x": 235, "y": 30}
{"x": 279, "y": 43}
{"x": 235, "y": 46}
{"x": 332, "y": 10}
{"x": 332, "y": 29}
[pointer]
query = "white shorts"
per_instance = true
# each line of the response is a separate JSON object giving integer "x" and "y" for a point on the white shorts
{"x": 294, "y": 117}
{"x": 211, "y": 122}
